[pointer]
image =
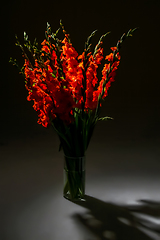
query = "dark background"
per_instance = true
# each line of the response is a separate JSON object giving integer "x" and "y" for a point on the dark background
{"x": 123, "y": 157}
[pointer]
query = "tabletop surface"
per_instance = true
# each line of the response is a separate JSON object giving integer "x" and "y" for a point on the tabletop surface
{"x": 122, "y": 191}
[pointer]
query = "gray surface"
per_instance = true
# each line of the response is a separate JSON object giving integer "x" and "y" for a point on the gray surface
{"x": 119, "y": 173}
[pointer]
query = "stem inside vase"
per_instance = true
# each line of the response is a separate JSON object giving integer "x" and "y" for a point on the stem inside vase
{"x": 74, "y": 178}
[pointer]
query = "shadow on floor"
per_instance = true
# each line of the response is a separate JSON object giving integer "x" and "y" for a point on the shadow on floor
{"x": 107, "y": 221}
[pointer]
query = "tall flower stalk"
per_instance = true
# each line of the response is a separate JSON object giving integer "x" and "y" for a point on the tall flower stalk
{"x": 64, "y": 85}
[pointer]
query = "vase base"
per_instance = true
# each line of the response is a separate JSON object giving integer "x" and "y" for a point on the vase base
{"x": 79, "y": 199}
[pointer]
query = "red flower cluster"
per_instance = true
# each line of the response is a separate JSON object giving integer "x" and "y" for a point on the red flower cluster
{"x": 56, "y": 80}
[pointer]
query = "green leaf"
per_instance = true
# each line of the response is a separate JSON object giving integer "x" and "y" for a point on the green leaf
{"x": 129, "y": 33}
{"x": 134, "y": 29}
{"x": 92, "y": 34}
{"x": 99, "y": 43}
{"x": 87, "y": 44}
{"x": 25, "y": 36}
{"x": 53, "y": 75}
{"x": 105, "y": 118}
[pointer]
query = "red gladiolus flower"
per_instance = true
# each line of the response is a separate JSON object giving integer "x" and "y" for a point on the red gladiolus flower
{"x": 92, "y": 80}
{"x": 57, "y": 93}
{"x": 60, "y": 81}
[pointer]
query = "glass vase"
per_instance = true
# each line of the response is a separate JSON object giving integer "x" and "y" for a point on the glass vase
{"x": 74, "y": 178}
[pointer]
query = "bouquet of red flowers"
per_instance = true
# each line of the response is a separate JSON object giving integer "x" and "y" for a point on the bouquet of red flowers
{"x": 64, "y": 85}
